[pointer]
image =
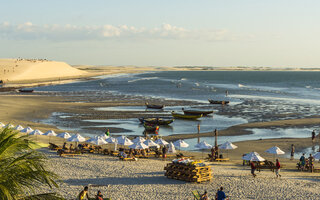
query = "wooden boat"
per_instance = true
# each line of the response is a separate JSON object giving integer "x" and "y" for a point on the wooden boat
{"x": 150, "y": 127}
{"x": 184, "y": 116}
{"x": 154, "y": 106}
{"x": 157, "y": 120}
{"x": 218, "y": 102}
{"x": 26, "y": 90}
{"x": 197, "y": 112}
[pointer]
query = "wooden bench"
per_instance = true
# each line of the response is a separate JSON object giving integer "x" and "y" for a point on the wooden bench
{"x": 127, "y": 159}
{"x": 222, "y": 159}
{"x": 69, "y": 154}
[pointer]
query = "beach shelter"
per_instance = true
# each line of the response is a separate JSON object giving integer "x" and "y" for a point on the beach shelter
{"x": 26, "y": 130}
{"x": 9, "y": 126}
{"x": 151, "y": 143}
{"x": 227, "y": 146}
{"x": 161, "y": 141}
{"x": 138, "y": 145}
{"x": 92, "y": 139}
{"x": 275, "y": 150}
{"x": 138, "y": 139}
{"x": 18, "y": 128}
{"x": 180, "y": 143}
{"x": 36, "y": 132}
{"x": 98, "y": 141}
{"x": 64, "y": 135}
{"x": 317, "y": 155}
{"x": 123, "y": 140}
{"x": 171, "y": 148}
{"x": 253, "y": 156}
{"x": 76, "y": 138}
{"x": 104, "y": 136}
{"x": 111, "y": 140}
{"x": 50, "y": 133}
{"x": 2, "y": 124}
{"x": 203, "y": 145}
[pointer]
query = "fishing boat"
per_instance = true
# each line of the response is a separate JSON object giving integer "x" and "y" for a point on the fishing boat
{"x": 218, "y": 102}
{"x": 154, "y": 106}
{"x": 157, "y": 120}
{"x": 151, "y": 127}
{"x": 184, "y": 116}
{"x": 197, "y": 112}
{"x": 26, "y": 90}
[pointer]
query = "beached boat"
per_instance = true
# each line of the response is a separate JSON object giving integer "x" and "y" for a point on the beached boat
{"x": 184, "y": 116}
{"x": 218, "y": 102}
{"x": 26, "y": 90}
{"x": 150, "y": 127}
{"x": 197, "y": 112}
{"x": 157, "y": 120}
{"x": 154, "y": 106}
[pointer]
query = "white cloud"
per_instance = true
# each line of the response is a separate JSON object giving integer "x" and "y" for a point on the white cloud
{"x": 30, "y": 31}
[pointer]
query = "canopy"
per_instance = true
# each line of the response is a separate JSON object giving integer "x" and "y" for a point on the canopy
{"x": 64, "y": 135}
{"x": 9, "y": 126}
{"x": 18, "y": 128}
{"x": 138, "y": 139}
{"x": 123, "y": 140}
{"x": 26, "y": 130}
{"x": 171, "y": 149}
{"x": 203, "y": 145}
{"x": 2, "y": 124}
{"x": 227, "y": 145}
{"x": 36, "y": 132}
{"x": 151, "y": 143}
{"x": 104, "y": 136}
{"x": 161, "y": 141}
{"x": 180, "y": 143}
{"x": 253, "y": 156}
{"x": 111, "y": 140}
{"x": 50, "y": 133}
{"x": 76, "y": 138}
{"x": 275, "y": 150}
{"x": 317, "y": 155}
{"x": 98, "y": 141}
{"x": 138, "y": 145}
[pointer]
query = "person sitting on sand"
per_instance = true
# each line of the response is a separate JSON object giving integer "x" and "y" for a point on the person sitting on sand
{"x": 99, "y": 195}
{"x": 253, "y": 169}
{"x": 204, "y": 196}
{"x": 221, "y": 195}
{"x": 83, "y": 193}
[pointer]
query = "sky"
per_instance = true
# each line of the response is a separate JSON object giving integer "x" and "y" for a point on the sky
{"x": 219, "y": 33}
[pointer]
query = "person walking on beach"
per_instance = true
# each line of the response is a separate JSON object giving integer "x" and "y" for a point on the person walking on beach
{"x": 278, "y": 168}
{"x": 292, "y": 152}
{"x": 311, "y": 160}
{"x": 313, "y": 135}
{"x": 83, "y": 193}
{"x": 253, "y": 169}
{"x": 107, "y": 132}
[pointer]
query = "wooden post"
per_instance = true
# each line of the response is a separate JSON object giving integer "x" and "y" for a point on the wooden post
{"x": 198, "y": 133}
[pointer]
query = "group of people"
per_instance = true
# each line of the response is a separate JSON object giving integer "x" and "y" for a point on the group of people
{"x": 220, "y": 195}
{"x": 306, "y": 163}
{"x": 84, "y": 194}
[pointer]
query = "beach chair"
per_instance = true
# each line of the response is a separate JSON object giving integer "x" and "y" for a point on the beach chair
{"x": 196, "y": 195}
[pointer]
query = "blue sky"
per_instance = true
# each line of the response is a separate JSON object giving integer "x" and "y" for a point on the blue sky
{"x": 271, "y": 33}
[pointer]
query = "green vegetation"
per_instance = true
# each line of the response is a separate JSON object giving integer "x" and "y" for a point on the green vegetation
{"x": 22, "y": 169}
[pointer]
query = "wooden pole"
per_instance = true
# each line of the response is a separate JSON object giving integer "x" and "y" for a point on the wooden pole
{"x": 198, "y": 133}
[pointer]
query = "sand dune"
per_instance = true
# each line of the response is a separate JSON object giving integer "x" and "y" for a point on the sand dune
{"x": 20, "y": 70}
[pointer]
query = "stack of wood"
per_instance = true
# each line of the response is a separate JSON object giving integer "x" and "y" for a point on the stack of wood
{"x": 189, "y": 173}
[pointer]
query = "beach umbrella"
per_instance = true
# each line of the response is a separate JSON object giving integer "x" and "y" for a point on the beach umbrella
{"x": 64, "y": 135}
{"x": 253, "y": 156}
{"x": 18, "y": 128}
{"x": 76, "y": 138}
{"x": 203, "y": 145}
{"x": 98, "y": 141}
{"x": 104, "y": 136}
{"x": 50, "y": 133}
{"x": 171, "y": 148}
{"x": 317, "y": 155}
{"x": 36, "y": 132}
{"x": 181, "y": 143}
{"x": 92, "y": 139}
{"x": 275, "y": 150}
{"x": 151, "y": 143}
{"x": 161, "y": 141}
{"x": 26, "y": 130}
{"x": 227, "y": 146}
{"x": 138, "y": 145}
{"x": 112, "y": 140}
{"x": 138, "y": 139}
{"x": 123, "y": 140}
{"x": 2, "y": 124}
{"x": 9, "y": 126}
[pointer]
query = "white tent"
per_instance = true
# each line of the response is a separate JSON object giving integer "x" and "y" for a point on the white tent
{"x": 181, "y": 143}
{"x": 227, "y": 145}
{"x": 50, "y": 133}
{"x": 151, "y": 143}
{"x": 76, "y": 138}
{"x": 171, "y": 148}
{"x": 275, "y": 150}
{"x": 18, "y": 128}
{"x": 98, "y": 141}
{"x": 123, "y": 140}
{"x": 138, "y": 145}
{"x": 36, "y": 132}
{"x": 253, "y": 156}
{"x": 26, "y": 130}
{"x": 317, "y": 155}
{"x": 138, "y": 139}
{"x": 64, "y": 135}
{"x": 161, "y": 141}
